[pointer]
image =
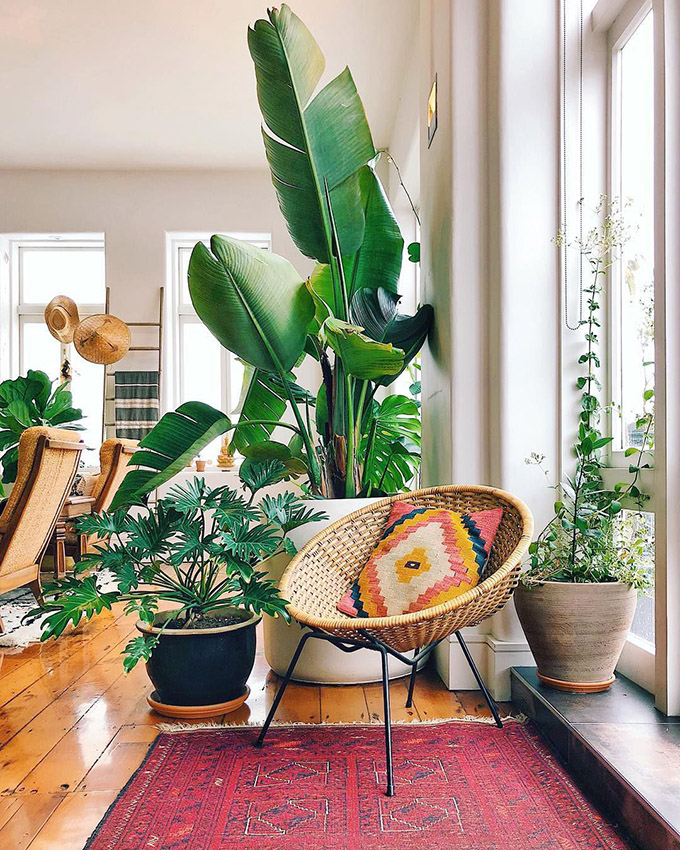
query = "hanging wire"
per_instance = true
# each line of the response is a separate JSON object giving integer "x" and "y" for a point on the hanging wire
{"x": 564, "y": 165}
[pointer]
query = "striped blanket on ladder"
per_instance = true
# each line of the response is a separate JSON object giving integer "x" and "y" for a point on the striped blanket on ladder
{"x": 136, "y": 403}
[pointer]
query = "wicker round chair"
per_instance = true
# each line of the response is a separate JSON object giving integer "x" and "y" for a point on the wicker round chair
{"x": 322, "y": 572}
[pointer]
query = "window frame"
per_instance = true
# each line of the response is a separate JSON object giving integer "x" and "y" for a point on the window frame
{"x": 16, "y": 313}
{"x": 638, "y": 658}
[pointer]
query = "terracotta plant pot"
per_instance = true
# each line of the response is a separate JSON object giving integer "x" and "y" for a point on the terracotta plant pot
{"x": 576, "y": 632}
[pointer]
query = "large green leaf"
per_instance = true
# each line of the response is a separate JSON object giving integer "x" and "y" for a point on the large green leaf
{"x": 172, "y": 443}
{"x": 253, "y": 301}
{"x": 263, "y": 398}
{"x": 362, "y": 356}
{"x": 376, "y": 312}
{"x": 377, "y": 263}
{"x": 310, "y": 142}
{"x": 390, "y": 446}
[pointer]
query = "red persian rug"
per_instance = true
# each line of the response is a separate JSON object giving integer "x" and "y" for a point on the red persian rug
{"x": 467, "y": 786}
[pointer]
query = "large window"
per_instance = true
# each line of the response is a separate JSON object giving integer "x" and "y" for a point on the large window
{"x": 37, "y": 268}
{"x": 631, "y": 315}
{"x": 201, "y": 370}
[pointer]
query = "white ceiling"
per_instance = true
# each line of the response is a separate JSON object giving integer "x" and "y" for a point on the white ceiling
{"x": 170, "y": 83}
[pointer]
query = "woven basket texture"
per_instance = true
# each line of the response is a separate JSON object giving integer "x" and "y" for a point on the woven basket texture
{"x": 49, "y": 489}
{"x": 322, "y": 572}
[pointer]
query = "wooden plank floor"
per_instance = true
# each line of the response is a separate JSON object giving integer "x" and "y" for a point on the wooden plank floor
{"x": 73, "y": 728}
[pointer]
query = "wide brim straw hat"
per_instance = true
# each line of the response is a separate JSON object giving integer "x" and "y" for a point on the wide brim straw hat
{"x": 61, "y": 318}
{"x": 102, "y": 339}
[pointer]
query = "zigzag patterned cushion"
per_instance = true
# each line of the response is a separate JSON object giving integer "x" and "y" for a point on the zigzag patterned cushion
{"x": 426, "y": 556}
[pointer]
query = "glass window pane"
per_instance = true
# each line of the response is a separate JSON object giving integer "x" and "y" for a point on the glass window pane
{"x": 76, "y": 272}
{"x": 202, "y": 372}
{"x": 635, "y": 533}
{"x": 39, "y": 349}
{"x": 636, "y": 303}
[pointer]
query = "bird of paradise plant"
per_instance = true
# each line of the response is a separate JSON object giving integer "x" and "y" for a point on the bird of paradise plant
{"x": 322, "y": 160}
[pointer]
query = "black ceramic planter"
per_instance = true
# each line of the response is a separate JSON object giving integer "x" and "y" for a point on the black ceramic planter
{"x": 202, "y": 667}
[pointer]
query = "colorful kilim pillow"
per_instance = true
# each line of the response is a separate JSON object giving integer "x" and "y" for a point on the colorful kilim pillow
{"x": 426, "y": 556}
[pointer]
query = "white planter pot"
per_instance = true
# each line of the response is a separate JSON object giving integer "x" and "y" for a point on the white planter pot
{"x": 320, "y": 662}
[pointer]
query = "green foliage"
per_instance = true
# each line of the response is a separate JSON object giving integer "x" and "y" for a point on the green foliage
{"x": 390, "y": 447}
{"x": 322, "y": 161}
{"x": 26, "y": 402}
{"x": 581, "y": 543}
{"x": 198, "y": 549}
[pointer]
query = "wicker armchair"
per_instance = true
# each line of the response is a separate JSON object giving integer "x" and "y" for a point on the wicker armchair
{"x": 328, "y": 565}
{"x": 114, "y": 457}
{"x": 48, "y": 462}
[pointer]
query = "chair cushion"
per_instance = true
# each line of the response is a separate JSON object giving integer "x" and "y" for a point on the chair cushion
{"x": 426, "y": 556}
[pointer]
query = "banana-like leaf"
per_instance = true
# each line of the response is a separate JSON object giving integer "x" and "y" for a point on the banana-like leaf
{"x": 362, "y": 357}
{"x": 263, "y": 398}
{"x": 252, "y": 301}
{"x": 376, "y": 312}
{"x": 310, "y": 141}
{"x": 390, "y": 445}
{"x": 377, "y": 263}
{"x": 172, "y": 443}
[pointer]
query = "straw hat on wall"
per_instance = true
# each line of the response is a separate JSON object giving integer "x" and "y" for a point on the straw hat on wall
{"x": 61, "y": 318}
{"x": 102, "y": 339}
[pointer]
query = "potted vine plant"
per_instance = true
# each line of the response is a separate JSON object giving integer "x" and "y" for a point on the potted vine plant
{"x": 346, "y": 438}
{"x": 28, "y": 401}
{"x": 577, "y": 599}
{"x": 189, "y": 567}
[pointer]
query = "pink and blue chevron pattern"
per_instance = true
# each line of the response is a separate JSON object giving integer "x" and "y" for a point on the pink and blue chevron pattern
{"x": 426, "y": 556}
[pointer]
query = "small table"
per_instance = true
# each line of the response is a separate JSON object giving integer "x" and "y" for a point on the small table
{"x": 74, "y": 506}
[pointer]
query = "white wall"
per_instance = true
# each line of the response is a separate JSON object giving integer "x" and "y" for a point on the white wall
{"x": 491, "y": 378}
{"x": 135, "y": 210}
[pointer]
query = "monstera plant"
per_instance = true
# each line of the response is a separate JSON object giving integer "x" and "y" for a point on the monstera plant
{"x": 322, "y": 157}
{"x": 28, "y": 401}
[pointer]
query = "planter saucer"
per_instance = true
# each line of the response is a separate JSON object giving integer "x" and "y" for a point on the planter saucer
{"x": 185, "y": 712}
{"x": 576, "y": 687}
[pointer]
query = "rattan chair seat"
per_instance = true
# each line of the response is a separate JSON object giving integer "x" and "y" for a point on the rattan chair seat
{"x": 320, "y": 574}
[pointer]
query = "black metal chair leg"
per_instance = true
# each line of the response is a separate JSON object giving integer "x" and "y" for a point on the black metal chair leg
{"x": 388, "y": 723}
{"x": 411, "y": 686}
{"x": 281, "y": 690}
{"x": 487, "y": 696}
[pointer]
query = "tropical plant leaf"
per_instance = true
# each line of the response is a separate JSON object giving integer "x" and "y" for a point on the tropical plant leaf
{"x": 376, "y": 312}
{"x": 138, "y": 649}
{"x": 252, "y": 301}
{"x": 390, "y": 446}
{"x": 326, "y": 139}
{"x": 263, "y": 398}
{"x": 68, "y": 600}
{"x": 261, "y": 595}
{"x": 287, "y": 512}
{"x": 256, "y": 474}
{"x": 172, "y": 443}
{"x": 248, "y": 543}
{"x": 26, "y": 402}
{"x": 377, "y": 263}
{"x": 362, "y": 356}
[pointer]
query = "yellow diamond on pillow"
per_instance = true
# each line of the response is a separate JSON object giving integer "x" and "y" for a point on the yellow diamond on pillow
{"x": 425, "y": 557}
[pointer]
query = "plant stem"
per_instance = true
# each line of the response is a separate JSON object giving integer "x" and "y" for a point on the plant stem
{"x": 350, "y": 482}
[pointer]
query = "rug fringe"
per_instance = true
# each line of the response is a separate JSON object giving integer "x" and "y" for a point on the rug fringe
{"x": 170, "y": 728}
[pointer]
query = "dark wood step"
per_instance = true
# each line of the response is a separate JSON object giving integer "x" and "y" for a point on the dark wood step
{"x": 621, "y": 750}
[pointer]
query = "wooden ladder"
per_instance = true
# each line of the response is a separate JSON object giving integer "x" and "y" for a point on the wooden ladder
{"x": 110, "y": 396}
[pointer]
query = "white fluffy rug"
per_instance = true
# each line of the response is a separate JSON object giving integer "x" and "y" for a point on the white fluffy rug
{"x": 14, "y": 606}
